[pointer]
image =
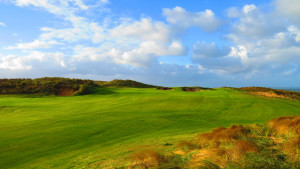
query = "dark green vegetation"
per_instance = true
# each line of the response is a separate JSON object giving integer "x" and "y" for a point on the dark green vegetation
{"x": 104, "y": 129}
{"x": 45, "y": 86}
{"x": 124, "y": 83}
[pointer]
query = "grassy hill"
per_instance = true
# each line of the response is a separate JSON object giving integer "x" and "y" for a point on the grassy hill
{"x": 46, "y": 86}
{"x": 103, "y": 129}
{"x": 124, "y": 83}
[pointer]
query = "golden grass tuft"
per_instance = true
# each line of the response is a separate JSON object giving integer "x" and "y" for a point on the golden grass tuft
{"x": 292, "y": 148}
{"x": 224, "y": 134}
{"x": 240, "y": 148}
{"x": 283, "y": 125}
{"x": 147, "y": 158}
{"x": 275, "y": 144}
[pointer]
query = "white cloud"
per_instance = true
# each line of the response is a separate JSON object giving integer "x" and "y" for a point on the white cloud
{"x": 82, "y": 30}
{"x": 57, "y": 7}
{"x": 249, "y": 8}
{"x": 147, "y": 40}
{"x": 206, "y": 20}
{"x": 136, "y": 43}
{"x": 281, "y": 49}
{"x": 294, "y": 31}
{"x": 14, "y": 62}
{"x": 37, "y": 44}
{"x": 145, "y": 29}
{"x": 2, "y": 24}
{"x": 290, "y": 9}
{"x": 240, "y": 52}
{"x": 253, "y": 24}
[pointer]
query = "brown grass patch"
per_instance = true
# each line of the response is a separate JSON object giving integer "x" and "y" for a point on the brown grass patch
{"x": 274, "y": 144}
{"x": 215, "y": 155}
{"x": 225, "y": 134}
{"x": 240, "y": 148}
{"x": 283, "y": 125}
{"x": 268, "y": 92}
{"x": 64, "y": 91}
{"x": 292, "y": 148}
{"x": 147, "y": 158}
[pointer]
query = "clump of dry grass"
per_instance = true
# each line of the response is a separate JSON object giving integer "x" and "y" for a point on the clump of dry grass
{"x": 240, "y": 148}
{"x": 222, "y": 134}
{"x": 276, "y": 144}
{"x": 147, "y": 158}
{"x": 268, "y": 92}
{"x": 283, "y": 125}
{"x": 292, "y": 148}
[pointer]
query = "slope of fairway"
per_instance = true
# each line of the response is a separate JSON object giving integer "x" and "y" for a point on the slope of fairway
{"x": 84, "y": 131}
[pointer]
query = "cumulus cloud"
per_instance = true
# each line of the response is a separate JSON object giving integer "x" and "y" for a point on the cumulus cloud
{"x": 259, "y": 43}
{"x": 14, "y": 62}
{"x": 252, "y": 24}
{"x": 149, "y": 40}
{"x": 280, "y": 49}
{"x": 249, "y": 8}
{"x": 145, "y": 29}
{"x": 136, "y": 43}
{"x": 206, "y": 20}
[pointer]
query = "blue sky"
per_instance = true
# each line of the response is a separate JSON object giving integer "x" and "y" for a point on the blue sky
{"x": 173, "y": 42}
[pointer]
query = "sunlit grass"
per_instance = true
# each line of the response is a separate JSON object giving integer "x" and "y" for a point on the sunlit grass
{"x": 79, "y": 131}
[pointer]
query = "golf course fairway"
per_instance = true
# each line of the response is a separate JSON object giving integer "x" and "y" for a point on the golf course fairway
{"x": 86, "y": 131}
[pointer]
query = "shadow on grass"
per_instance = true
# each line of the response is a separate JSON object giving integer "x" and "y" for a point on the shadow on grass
{"x": 103, "y": 91}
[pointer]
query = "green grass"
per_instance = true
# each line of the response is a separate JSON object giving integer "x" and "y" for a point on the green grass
{"x": 82, "y": 131}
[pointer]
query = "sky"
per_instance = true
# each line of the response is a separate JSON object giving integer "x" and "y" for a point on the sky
{"x": 209, "y": 43}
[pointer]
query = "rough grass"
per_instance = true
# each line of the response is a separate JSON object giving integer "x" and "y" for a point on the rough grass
{"x": 268, "y": 92}
{"x": 243, "y": 147}
{"x": 99, "y": 130}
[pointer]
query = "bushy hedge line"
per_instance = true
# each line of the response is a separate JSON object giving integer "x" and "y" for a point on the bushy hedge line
{"x": 47, "y": 85}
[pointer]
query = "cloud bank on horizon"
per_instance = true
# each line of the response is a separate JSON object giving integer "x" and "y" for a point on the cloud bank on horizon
{"x": 187, "y": 43}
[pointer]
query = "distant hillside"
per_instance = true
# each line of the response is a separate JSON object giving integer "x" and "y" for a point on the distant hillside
{"x": 46, "y": 85}
{"x": 268, "y": 92}
{"x": 124, "y": 83}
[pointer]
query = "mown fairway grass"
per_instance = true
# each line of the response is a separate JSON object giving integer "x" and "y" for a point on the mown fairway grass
{"x": 84, "y": 131}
